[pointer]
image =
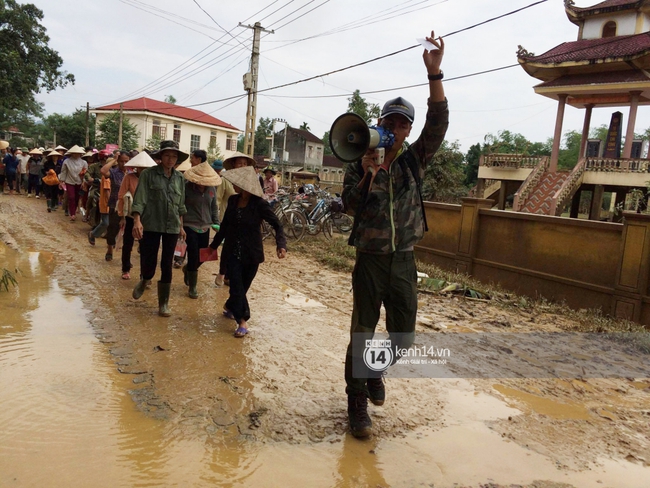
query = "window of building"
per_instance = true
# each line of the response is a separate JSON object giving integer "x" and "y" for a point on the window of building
{"x": 609, "y": 29}
{"x": 177, "y": 133}
{"x": 213, "y": 138}
{"x": 231, "y": 143}
{"x": 195, "y": 142}
{"x": 157, "y": 129}
{"x": 310, "y": 151}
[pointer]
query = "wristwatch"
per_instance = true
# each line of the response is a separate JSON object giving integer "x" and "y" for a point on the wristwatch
{"x": 439, "y": 76}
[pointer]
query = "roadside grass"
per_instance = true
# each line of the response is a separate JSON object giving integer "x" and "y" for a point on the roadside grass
{"x": 337, "y": 255}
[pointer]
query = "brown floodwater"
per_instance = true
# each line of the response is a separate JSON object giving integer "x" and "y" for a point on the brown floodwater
{"x": 67, "y": 420}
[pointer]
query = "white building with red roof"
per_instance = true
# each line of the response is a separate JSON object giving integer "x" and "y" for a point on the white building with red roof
{"x": 191, "y": 128}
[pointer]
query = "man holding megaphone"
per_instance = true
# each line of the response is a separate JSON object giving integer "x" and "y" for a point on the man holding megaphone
{"x": 382, "y": 192}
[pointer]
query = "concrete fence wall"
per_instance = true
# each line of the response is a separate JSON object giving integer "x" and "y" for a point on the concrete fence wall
{"x": 586, "y": 264}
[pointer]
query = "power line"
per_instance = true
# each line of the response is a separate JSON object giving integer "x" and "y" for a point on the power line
{"x": 217, "y": 23}
{"x": 389, "y": 54}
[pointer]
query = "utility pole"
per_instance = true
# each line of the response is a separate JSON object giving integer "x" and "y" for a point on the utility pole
{"x": 87, "y": 124}
{"x": 54, "y": 138}
{"x": 119, "y": 132}
{"x": 250, "y": 85}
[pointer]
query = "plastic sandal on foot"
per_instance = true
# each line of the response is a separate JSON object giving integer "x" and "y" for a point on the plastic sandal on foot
{"x": 228, "y": 314}
{"x": 241, "y": 332}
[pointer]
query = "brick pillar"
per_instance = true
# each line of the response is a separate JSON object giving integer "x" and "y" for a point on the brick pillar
{"x": 557, "y": 135}
{"x": 469, "y": 225}
{"x": 596, "y": 202}
{"x": 632, "y": 274}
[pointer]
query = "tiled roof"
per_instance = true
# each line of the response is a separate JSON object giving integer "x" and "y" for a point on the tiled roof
{"x": 607, "y": 6}
{"x": 332, "y": 161}
{"x": 306, "y": 135}
{"x": 629, "y": 76}
{"x": 164, "y": 108}
{"x": 594, "y": 49}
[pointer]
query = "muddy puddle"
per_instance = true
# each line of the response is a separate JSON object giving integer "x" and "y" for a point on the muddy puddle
{"x": 192, "y": 406}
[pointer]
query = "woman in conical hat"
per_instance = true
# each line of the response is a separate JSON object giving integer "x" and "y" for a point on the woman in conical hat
{"x": 71, "y": 177}
{"x": 242, "y": 236}
{"x": 128, "y": 187}
{"x": 202, "y": 215}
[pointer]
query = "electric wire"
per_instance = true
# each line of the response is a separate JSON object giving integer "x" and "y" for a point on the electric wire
{"x": 217, "y": 23}
{"x": 362, "y": 63}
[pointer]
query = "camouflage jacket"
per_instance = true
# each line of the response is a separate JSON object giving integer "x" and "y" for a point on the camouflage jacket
{"x": 391, "y": 217}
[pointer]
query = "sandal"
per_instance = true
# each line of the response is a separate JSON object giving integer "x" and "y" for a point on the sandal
{"x": 108, "y": 257}
{"x": 126, "y": 275}
{"x": 227, "y": 313}
{"x": 91, "y": 238}
{"x": 241, "y": 332}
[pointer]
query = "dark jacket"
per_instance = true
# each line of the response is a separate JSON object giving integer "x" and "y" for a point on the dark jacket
{"x": 248, "y": 231}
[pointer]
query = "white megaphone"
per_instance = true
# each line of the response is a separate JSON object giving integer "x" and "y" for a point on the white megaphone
{"x": 350, "y": 137}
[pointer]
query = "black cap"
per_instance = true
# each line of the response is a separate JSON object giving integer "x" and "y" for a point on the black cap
{"x": 399, "y": 106}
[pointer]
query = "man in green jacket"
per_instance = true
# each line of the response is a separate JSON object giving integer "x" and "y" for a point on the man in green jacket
{"x": 384, "y": 198}
{"x": 158, "y": 209}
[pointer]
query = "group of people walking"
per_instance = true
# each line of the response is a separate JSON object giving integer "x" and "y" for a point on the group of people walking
{"x": 161, "y": 200}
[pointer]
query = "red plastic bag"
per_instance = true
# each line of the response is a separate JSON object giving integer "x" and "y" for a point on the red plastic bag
{"x": 181, "y": 248}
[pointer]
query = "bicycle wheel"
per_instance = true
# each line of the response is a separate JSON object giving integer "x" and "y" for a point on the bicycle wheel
{"x": 328, "y": 226}
{"x": 343, "y": 222}
{"x": 294, "y": 225}
{"x": 267, "y": 230}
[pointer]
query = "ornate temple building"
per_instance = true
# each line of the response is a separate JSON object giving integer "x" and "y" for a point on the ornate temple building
{"x": 607, "y": 66}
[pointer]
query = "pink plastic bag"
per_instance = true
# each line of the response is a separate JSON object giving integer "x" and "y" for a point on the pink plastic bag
{"x": 181, "y": 248}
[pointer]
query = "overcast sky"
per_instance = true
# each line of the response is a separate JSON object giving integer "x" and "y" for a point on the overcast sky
{"x": 115, "y": 48}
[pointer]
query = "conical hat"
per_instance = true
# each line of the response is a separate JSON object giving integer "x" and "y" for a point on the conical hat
{"x": 184, "y": 166}
{"x": 4, "y": 144}
{"x": 245, "y": 178}
{"x": 203, "y": 174}
{"x": 75, "y": 150}
{"x": 36, "y": 152}
{"x": 89, "y": 154}
{"x": 52, "y": 152}
{"x": 227, "y": 163}
{"x": 142, "y": 160}
{"x": 61, "y": 148}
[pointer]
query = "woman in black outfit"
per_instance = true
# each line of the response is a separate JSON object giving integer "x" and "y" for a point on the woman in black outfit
{"x": 243, "y": 248}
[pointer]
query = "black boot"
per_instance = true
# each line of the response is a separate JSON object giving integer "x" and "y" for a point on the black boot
{"x": 193, "y": 278}
{"x": 164, "y": 290}
{"x": 376, "y": 391}
{"x": 140, "y": 287}
{"x": 360, "y": 423}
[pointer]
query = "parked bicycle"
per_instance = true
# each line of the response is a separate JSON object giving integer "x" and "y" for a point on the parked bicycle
{"x": 293, "y": 222}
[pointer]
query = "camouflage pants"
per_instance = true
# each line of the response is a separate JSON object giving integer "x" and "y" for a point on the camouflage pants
{"x": 388, "y": 279}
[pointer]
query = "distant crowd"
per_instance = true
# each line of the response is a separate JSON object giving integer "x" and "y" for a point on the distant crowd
{"x": 182, "y": 198}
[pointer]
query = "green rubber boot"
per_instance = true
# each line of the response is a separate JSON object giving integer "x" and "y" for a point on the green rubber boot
{"x": 193, "y": 278}
{"x": 164, "y": 289}
{"x": 138, "y": 291}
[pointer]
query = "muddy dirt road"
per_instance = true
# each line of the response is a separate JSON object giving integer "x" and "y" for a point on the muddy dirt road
{"x": 269, "y": 410}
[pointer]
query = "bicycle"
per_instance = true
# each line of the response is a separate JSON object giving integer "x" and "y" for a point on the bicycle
{"x": 292, "y": 221}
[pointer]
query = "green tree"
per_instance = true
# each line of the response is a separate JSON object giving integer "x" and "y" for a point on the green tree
{"x": 326, "y": 142}
{"x": 263, "y": 130}
{"x": 153, "y": 142}
{"x": 170, "y": 99}
{"x": 214, "y": 152}
{"x": 304, "y": 126}
{"x": 70, "y": 129}
{"x": 443, "y": 178}
{"x": 240, "y": 143}
{"x": 506, "y": 142}
{"x": 367, "y": 111}
{"x": 472, "y": 159}
{"x": 27, "y": 64}
{"x": 108, "y": 130}
{"x": 568, "y": 155}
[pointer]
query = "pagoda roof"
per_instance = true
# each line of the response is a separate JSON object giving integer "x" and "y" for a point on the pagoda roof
{"x": 589, "y": 55}
{"x": 578, "y": 14}
{"x": 613, "y": 88}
